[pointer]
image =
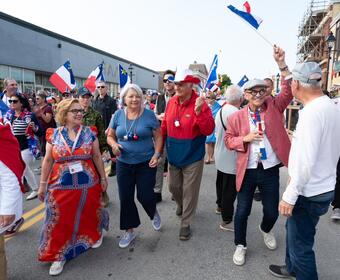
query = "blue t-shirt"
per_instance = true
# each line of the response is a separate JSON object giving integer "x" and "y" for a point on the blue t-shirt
{"x": 135, "y": 151}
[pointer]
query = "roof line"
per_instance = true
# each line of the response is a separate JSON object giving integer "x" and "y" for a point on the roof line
{"x": 44, "y": 31}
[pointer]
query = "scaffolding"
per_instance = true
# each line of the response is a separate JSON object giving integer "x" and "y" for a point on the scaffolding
{"x": 311, "y": 44}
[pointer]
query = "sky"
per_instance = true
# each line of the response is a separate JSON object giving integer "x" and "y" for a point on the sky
{"x": 172, "y": 34}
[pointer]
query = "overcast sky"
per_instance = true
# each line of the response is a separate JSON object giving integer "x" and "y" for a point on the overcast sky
{"x": 162, "y": 34}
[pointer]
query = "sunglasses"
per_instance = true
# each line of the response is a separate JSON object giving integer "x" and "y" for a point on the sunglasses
{"x": 77, "y": 111}
{"x": 169, "y": 79}
{"x": 13, "y": 101}
{"x": 101, "y": 87}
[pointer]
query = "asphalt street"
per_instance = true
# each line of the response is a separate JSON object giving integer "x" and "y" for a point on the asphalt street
{"x": 161, "y": 255}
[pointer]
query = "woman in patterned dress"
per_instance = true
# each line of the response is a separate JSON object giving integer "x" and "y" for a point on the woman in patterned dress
{"x": 72, "y": 181}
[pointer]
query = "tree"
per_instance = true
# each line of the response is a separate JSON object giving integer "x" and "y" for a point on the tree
{"x": 225, "y": 82}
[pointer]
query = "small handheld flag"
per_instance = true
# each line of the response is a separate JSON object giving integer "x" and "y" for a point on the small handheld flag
{"x": 95, "y": 76}
{"x": 212, "y": 76}
{"x": 253, "y": 20}
{"x": 243, "y": 81}
{"x": 63, "y": 78}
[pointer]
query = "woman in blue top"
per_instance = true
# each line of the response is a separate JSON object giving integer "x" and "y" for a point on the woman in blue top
{"x": 135, "y": 138}
{"x": 211, "y": 139}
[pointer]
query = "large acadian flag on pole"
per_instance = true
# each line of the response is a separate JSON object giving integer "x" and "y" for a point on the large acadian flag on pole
{"x": 95, "y": 76}
{"x": 247, "y": 16}
{"x": 123, "y": 77}
{"x": 212, "y": 76}
{"x": 63, "y": 78}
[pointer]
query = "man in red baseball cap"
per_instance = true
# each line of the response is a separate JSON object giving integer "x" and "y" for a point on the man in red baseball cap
{"x": 187, "y": 122}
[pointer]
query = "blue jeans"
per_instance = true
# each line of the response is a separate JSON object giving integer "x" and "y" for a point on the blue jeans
{"x": 268, "y": 181}
{"x": 130, "y": 177}
{"x": 300, "y": 258}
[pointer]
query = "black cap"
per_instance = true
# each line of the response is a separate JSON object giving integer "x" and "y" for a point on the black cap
{"x": 83, "y": 91}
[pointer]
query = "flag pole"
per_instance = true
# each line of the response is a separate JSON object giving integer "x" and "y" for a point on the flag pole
{"x": 264, "y": 38}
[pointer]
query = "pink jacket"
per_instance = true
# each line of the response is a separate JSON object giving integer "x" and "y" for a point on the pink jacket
{"x": 271, "y": 112}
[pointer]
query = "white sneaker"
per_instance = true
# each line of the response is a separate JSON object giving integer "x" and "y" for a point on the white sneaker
{"x": 239, "y": 257}
{"x": 156, "y": 222}
{"x": 269, "y": 239}
{"x": 98, "y": 243}
{"x": 336, "y": 214}
{"x": 57, "y": 268}
{"x": 126, "y": 239}
{"x": 32, "y": 195}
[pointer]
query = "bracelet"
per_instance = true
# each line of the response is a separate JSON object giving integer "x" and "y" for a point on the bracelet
{"x": 158, "y": 155}
{"x": 43, "y": 182}
{"x": 103, "y": 179}
{"x": 285, "y": 68}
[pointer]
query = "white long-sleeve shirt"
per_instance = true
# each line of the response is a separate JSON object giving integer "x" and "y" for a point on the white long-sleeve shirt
{"x": 10, "y": 194}
{"x": 315, "y": 150}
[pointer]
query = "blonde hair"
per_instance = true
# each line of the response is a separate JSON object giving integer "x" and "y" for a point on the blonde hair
{"x": 63, "y": 108}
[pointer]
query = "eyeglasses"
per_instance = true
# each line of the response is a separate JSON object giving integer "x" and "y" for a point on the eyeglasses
{"x": 13, "y": 101}
{"x": 257, "y": 93}
{"x": 100, "y": 86}
{"x": 77, "y": 111}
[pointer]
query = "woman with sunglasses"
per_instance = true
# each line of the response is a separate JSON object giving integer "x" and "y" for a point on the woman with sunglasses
{"x": 24, "y": 126}
{"x": 71, "y": 184}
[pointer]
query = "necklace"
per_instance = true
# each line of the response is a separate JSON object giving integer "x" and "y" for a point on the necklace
{"x": 129, "y": 136}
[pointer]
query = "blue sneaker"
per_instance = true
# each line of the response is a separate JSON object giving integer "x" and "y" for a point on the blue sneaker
{"x": 127, "y": 239}
{"x": 156, "y": 222}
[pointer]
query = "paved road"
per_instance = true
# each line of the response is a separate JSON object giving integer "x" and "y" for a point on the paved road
{"x": 160, "y": 255}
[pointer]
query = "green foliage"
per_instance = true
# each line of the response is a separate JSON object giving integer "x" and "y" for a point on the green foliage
{"x": 225, "y": 82}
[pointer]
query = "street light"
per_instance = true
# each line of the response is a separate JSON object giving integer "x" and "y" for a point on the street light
{"x": 130, "y": 70}
{"x": 330, "y": 43}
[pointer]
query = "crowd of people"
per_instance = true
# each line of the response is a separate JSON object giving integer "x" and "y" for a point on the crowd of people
{"x": 149, "y": 135}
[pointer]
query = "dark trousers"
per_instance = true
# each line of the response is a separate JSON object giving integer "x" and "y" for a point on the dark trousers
{"x": 336, "y": 201}
{"x": 130, "y": 177}
{"x": 300, "y": 257}
{"x": 226, "y": 194}
{"x": 113, "y": 164}
{"x": 268, "y": 181}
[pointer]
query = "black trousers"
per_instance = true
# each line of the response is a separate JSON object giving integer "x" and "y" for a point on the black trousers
{"x": 226, "y": 194}
{"x": 336, "y": 201}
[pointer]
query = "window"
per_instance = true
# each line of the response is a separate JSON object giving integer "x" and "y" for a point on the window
{"x": 4, "y": 72}
{"x": 29, "y": 78}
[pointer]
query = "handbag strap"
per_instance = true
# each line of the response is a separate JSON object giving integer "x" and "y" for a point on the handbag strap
{"x": 224, "y": 127}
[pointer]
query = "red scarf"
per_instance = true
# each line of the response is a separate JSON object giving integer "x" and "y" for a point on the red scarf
{"x": 10, "y": 153}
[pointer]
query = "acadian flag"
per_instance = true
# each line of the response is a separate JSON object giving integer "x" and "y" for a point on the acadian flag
{"x": 253, "y": 20}
{"x": 212, "y": 76}
{"x": 63, "y": 78}
{"x": 95, "y": 76}
{"x": 243, "y": 81}
{"x": 214, "y": 87}
{"x": 123, "y": 77}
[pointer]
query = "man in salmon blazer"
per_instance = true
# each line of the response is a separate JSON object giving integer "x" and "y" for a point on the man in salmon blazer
{"x": 258, "y": 135}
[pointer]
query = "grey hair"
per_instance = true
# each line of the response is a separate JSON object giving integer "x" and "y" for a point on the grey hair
{"x": 317, "y": 85}
{"x": 136, "y": 88}
{"x": 233, "y": 94}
